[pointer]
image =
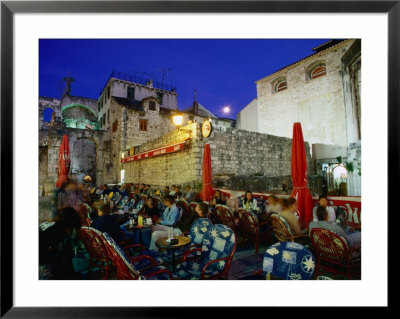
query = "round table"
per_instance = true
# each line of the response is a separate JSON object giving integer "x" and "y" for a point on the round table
{"x": 182, "y": 241}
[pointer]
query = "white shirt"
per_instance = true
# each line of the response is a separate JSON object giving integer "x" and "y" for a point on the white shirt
{"x": 331, "y": 213}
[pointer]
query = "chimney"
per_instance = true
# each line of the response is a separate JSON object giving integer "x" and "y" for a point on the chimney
{"x": 149, "y": 83}
{"x": 195, "y": 108}
{"x": 195, "y": 105}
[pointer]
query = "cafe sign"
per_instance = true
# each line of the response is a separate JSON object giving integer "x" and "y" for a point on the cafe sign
{"x": 167, "y": 149}
{"x": 206, "y": 128}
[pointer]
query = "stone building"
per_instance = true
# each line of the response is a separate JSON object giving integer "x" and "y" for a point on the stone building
{"x": 322, "y": 92}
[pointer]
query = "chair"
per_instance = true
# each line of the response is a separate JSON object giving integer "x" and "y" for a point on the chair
{"x": 249, "y": 228}
{"x": 83, "y": 212}
{"x": 333, "y": 253}
{"x": 125, "y": 268}
{"x": 93, "y": 242}
{"x": 218, "y": 248}
{"x": 223, "y": 215}
{"x": 282, "y": 230}
{"x": 196, "y": 234}
{"x": 288, "y": 261}
{"x": 123, "y": 202}
{"x": 116, "y": 197}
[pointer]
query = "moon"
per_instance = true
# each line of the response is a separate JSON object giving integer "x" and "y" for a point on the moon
{"x": 227, "y": 109}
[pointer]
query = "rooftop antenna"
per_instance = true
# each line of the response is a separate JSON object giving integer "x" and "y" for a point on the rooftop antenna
{"x": 194, "y": 94}
{"x": 164, "y": 72}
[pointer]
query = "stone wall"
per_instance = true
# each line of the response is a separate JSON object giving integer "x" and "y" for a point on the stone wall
{"x": 92, "y": 161}
{"x": 181, "y": 167}
{"x": 263, "y": 184}
{"x": 240, "y": 159}
{"x": 240, "y": 152}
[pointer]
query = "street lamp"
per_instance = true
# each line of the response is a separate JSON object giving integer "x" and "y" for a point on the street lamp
{"x": 177, "y": 119}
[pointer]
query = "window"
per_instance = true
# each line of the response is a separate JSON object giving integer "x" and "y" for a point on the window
{"x": 115, "y": 126}
{"x": 47, "y": 114}
{"x": 98, "y": 108}
{"x": 318, "y": 71}
{"x": 108, "y": 116}
{"x": 281, "y": 86}
{"x": 142, "y": 125}
{"x": 131, "y": 92}
{"x": 108, "y": 93}
{"x": 160, "y": 97}
{"x": 152, "y": 105}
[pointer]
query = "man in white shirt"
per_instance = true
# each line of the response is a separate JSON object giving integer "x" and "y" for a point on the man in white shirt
{"x": 323, "y": 201}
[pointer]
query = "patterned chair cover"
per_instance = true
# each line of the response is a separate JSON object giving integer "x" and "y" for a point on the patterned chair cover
{"x": 218, "y": 242}
{"x": 116, "y": 197}
{"x": 282, "y": 233}
{"x": 289, "y": 260}
{"x": 125, "y": 269}
{"x": 199, "y": 228}
{"x": 124, "y": 201}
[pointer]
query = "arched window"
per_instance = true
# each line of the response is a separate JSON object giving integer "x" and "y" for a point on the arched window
{"x": 47, "y": 113}
{"x": 318, "y": 71}
{"x": 281, "y": 86}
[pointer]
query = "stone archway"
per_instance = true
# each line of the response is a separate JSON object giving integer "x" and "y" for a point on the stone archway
{"x": 83, "y": 159}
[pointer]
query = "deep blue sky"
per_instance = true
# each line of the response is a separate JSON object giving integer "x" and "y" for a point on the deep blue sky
{"x": 222, "y": 71}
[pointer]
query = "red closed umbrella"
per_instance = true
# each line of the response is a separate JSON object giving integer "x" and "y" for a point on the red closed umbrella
{"x": 299, "y": 176}
{"x": 64, "y": 162}
{"x": 207, "y": 192}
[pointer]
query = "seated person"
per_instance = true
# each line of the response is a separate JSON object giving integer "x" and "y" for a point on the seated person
{"x": 188, "y": 195}
{"x": 58, "y": 239}
{"x": 173, "y": 190}
{"x": 106, "y": 190}
{"x": 274, "y": 204}
{"x": 147, "y": 190}
{"x": 151, "y": 211}
{"x": 108, "y": 223}
{"x": 289, "y": 206}
{"x": 201, "y": 211}
{"x": 323, "y": 201}
{"x": 178, "y": 193}
{"x": 168, "y": 219}
{"x": 100, "y": 190}
{"x": 352, "y": 237}
{"x": 249, "y": 203}
{"x": 166, "y": 191}
{"x": 141, "y": 189}
{"x": 218, "y": 199}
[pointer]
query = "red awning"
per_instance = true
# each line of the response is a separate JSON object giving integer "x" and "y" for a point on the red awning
{"x": 63, "y": 164}
{"x": 207, "y": 191}
{"x": 299, "y": 176}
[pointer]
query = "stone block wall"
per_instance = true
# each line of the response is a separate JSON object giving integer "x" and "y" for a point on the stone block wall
{"x": 180, "y": 167}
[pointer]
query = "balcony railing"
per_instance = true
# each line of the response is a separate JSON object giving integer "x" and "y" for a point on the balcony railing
{"x": 138, "y": 80}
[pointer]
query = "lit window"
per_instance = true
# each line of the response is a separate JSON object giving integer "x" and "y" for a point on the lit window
{"x": 318, "y": 71}
{"x": 142, "y": 125}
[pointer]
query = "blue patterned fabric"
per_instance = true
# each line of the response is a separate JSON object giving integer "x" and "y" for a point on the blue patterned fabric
{"x": 218, "y": 242}
{"x": 199, "y": 228}
{"x": 290, "y": 261}
{"x": 132, "y": 268}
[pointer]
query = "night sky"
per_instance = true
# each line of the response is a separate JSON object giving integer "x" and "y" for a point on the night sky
{"x": 222, "y": 71}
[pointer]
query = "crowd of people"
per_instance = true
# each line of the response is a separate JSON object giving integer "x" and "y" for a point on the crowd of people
{"x": 81, "y": 204}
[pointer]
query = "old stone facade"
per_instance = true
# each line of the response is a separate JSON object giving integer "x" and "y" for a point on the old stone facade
{"x": 322, "y": 92}
{"x": 235, "y": 154}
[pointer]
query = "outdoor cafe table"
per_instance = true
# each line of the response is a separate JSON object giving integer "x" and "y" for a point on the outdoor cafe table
{"x": 182, "y": 241}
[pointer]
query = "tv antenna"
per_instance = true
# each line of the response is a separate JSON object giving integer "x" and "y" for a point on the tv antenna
{"x": 164, "y": 72}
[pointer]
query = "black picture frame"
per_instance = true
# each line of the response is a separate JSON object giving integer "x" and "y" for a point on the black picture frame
{"x": 9, "y": 8}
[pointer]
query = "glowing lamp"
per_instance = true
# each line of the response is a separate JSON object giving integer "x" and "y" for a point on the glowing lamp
{"x": 177, "y": 119}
